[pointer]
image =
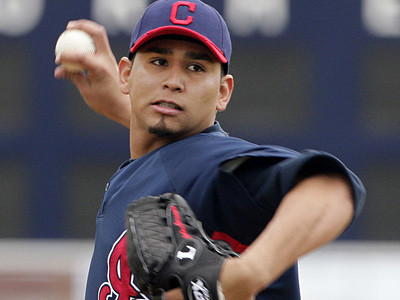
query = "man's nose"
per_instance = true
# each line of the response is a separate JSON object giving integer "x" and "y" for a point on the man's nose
{"x": 174, "y": 79}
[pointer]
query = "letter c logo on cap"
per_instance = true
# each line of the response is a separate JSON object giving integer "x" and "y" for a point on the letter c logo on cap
{"x": 174, "y": 12}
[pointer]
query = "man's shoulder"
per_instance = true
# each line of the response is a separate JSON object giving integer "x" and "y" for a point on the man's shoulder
{"x": 217, "y": 147}
{"x": 210, "y": 142}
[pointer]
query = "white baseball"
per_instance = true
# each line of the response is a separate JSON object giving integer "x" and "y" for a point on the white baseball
{"x": 74, "y": 40}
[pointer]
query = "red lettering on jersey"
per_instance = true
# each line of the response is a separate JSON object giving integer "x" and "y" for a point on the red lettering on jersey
{"x": 120, "y": 279}
{"x": 174, "y": 12}
{"x": 104, "y": 291}
{"x": 236, "y": 245}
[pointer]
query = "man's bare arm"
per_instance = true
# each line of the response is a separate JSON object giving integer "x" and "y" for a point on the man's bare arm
{"x": 315, "y": 212}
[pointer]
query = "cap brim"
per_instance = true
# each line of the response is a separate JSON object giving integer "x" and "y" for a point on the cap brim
{"x": 166, "y": 30}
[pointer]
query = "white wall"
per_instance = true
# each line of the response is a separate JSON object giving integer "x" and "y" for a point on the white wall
{"x": 56, "y": 269}
{"x": 352, "y": 271}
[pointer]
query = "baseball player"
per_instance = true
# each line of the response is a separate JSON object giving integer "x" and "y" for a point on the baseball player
{"x": 270, "y": 204}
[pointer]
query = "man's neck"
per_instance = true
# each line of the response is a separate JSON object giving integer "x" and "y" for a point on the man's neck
{"x": 143, "y": 142}
{"x": 140, "y": 147}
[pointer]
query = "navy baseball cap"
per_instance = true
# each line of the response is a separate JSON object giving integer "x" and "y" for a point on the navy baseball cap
{"x": 192, "y": 18}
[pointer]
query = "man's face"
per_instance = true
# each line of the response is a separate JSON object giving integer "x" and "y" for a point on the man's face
{"x": 176, "y": 88}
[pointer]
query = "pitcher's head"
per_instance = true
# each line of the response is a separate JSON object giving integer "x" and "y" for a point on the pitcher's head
{"x": 192, "y": 19}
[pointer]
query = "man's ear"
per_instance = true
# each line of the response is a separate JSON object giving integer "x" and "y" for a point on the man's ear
{"x": 125, "y": 66}
{"x": 225, "y": 92}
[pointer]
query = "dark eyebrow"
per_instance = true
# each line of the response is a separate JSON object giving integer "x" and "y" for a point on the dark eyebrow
{"x": 158, "y": 50}
{"x": 199, "y": 56}
{"x": 189, "y": 54}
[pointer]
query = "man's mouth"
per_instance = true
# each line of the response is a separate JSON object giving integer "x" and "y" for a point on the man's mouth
{"x": 168, "y": 105}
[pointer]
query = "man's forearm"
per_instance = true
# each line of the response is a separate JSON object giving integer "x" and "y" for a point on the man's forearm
{"x": 313, "y": 213}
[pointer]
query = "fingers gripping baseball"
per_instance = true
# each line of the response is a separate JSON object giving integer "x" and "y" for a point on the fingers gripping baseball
{"x": 99, "y": 83}
{"x": 74, "y": 41}
{"x": 82, "y": 44}
{"x": 167, "y": 248}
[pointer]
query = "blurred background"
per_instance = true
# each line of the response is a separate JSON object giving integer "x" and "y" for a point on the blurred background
{"x": 308, "y": 74}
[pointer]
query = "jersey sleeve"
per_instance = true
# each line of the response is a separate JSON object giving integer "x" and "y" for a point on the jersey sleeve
{"x": 269, "y": 179}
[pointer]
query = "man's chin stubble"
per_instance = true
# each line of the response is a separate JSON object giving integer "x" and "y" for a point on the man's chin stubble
{"x": 161, "y": 130}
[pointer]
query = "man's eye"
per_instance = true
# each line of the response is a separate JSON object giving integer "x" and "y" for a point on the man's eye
{"x": 195, "y": 68}
{"x": 160, "y": 62}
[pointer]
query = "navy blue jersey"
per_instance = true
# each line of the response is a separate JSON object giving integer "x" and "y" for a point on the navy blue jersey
{"x": 233, "y": 186}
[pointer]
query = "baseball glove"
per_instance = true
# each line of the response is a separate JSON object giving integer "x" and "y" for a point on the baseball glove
{"x": 167, "y": 248}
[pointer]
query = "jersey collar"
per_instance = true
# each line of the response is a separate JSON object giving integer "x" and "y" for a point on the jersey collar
{"x": 216, "y": 129}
